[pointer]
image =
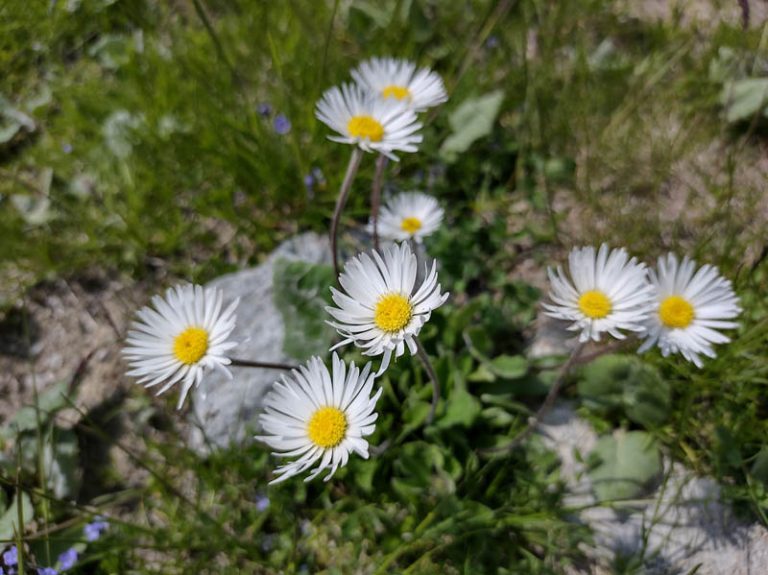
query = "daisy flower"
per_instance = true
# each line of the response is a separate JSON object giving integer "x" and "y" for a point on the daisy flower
{"x": 689, "y": 308}
{"x": 607, "y": 292}
{"x": 374, "y": 124}
{"x": 400, "y": 80}
{"x": 410, "y": 215}
{"x": 382, "y": 310}
{"x": 319, "y": 417}
{"x": 181, "y": 338}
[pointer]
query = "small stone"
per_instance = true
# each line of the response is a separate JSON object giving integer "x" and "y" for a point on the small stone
{"x": 224, "y": 411}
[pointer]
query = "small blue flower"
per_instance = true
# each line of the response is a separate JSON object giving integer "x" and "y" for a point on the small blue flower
{"x": 264, "y": 109}
{"x": 11, "y": 557}
{"x": 47, "y": 571}
{"x": 492, "y": 42}
{"x": 309, "y": 181}
{"x": 68, "y": 559}
{"x": 317, "y": 173}
{"x": 262, "y": 502}
{"x": 66, "y": 148}
{"x": 93, "y": 531}
{"x": 282, "y": 124}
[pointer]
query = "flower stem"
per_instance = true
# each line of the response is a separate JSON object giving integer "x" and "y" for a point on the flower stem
{"x": 549, "y": 401}
{"x": 261, "y": 364}
{"x": 432, "y": 376}
{"x": 378, "y": 184}
{"x": 346, "y": 186}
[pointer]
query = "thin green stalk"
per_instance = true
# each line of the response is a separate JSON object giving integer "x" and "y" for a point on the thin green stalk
{"x": 214, "y": 37}
{"x": 19, "y": 510}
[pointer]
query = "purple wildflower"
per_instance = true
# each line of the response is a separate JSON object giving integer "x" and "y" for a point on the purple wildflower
{"x": 93, "y": 531}
{"x": 47, "y": 571}
{"x": 68, "y": 559}
{"x": 11, "y": 557}
{"x": 262, "y": 502}
{"x": 282, "y": 124}
{"x": 264, "y": 109}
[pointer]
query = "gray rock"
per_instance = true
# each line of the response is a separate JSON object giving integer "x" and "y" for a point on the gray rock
{"x": 224, "y": 411}
{"x": 684, "y": 523}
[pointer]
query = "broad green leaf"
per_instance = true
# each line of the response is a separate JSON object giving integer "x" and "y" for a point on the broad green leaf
{"x": 625, "y": 465}
{"x": 472, "y": 120}
{"x": 12, "y": 121}
{"x": 509, "y": 366}
{"x": 759, "y": 468}
{"x": 26, "y": 419}
{"x": 623, "y": 382}
{"x": 9, "y": 522}
{"x": 301, "y": 292}
{"x": 743, "y": 99}
{"x": 462, "y": 410}
{"x": 62, "y": 463}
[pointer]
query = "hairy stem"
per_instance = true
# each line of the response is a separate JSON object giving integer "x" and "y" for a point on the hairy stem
{"x": 378, "y": 184}
{"x": 549, "y": 401}
{"x": 346, "y": 186}
{"x": 432, "y": 376}
{"x": 261, "y": 364}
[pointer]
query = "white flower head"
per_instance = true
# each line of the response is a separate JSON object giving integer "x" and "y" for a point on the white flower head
{"x": 374, "y": 124}
{"x": 689, "y": 308}
{"x": 607, "y": 292}
{"x": 181, "y": 338}
{"x": 409, "y": 215}
{"x": 383, "y": 310}
{"x": 320, "y": 417}
{"x": 400, "y": 80}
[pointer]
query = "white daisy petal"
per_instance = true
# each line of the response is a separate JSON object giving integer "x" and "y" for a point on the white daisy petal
{"x": 409, "y": 215}
{"x": 362, "y": 119}
{"x": 399, "y": 80}
{"x": 319, "y": 416}
{"x": 689, "y": 307}
{"x": 607, "y": 292}
{"x": 383, "y": 308}
{"x": 179, "y": 340}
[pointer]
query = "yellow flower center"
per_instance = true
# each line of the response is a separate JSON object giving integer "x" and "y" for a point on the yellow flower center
{"x": 190, "y": 345}
{"x": 595, "y": 304}
{"x": 411, "y": 225}
{"x": 393, "y": 312}
{"x": 399, "y": 92}
{"x": 676, "y": 312}
{"x": 365, "y": 127}
{"x": 327, "y": 427}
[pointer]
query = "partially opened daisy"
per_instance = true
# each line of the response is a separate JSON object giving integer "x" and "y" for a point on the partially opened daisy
{"x": 400, "y": 80}
{"x": 607, "y": 292}
{"x": 181, "y": 338}
{"x": 383, "y": 310}
{"x": 689, "y": 308}
{"x": 373, "y": 124}
{"x": 320, "y": 417}
{"x": 409, "y": 215}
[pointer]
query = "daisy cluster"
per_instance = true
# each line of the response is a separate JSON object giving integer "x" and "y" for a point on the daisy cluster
{"x": 315, "y": 417}
{"x": 378, "y": 111}
{"x": 678, "y": 306}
